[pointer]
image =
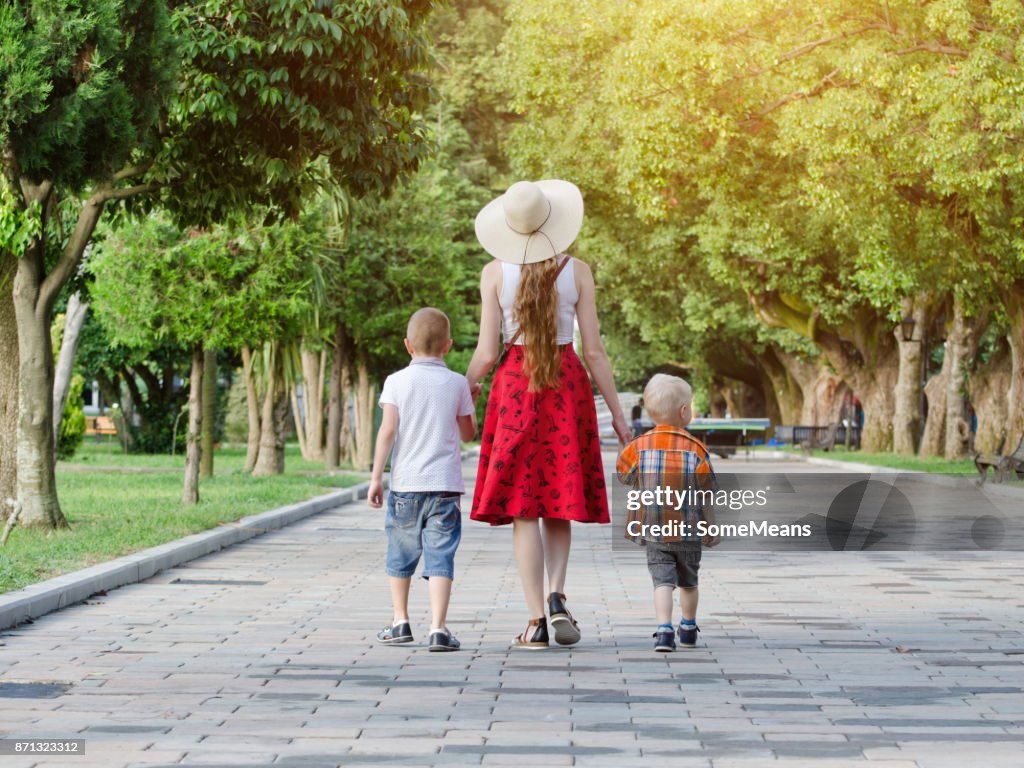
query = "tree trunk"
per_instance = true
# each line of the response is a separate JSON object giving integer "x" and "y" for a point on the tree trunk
{"x": 348, "y": 432}
{"x": 961, "y": 350}
{"x": 746, "y": 400}
{"x": 209, "y": 413}
{"x": 824, "y": 396}
{"x": 300, "y": 430}
{"x": 988, "y": 386}
{"x": 337, "y": 414}
{"x": 74, "y": 317}
{"x": 270, "y": 460}
{"x": 907, "y": 419}
{"x": 862, "y": 350}
{"x": 872, "y": 378}
{"x": 822, "y": 391}
{"x": 364, "y": 416}
{"x": 788, "y": 393}
{"x": 8, "y": 383}
{"x": 1013, "y": 303}
{"x": 933, "y": 440}
{"x": 879, "y": 403}
{"x": 717, "y": 404}
{"x": 193, "y": 448}
{"x": 312, "y": 418}
{"x": 252, "y": 405}
{"x": 35, "y": 292}
{"x": 37, "y": 484}
{"x": 280, "y": 426}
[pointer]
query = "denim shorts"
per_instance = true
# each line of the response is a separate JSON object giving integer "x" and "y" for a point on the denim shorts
{"x": 422, "y": 523}
{"x": 673, "y": 564}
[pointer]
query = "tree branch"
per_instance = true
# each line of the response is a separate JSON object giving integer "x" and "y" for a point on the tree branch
{"x": 72, "y": 253}
{"x": 948, "y": 50}
{"x": 153, "y": 382}
{"x": 826, "y": 82}
{"x": 131, "y": 171}
{"x": 121, "y": 194}
{"x": 808, "y": 47}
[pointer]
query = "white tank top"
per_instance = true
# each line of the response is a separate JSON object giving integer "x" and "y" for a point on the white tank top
{"x": 565, "y": 284}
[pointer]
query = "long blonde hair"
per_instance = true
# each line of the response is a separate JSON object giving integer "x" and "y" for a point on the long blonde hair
{"x": 535, "y": 309}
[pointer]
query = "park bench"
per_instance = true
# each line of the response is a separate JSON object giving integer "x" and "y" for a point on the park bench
{"x": 817, "y": 437}
{"x": 817, "y": 441}
{"x": 1002, "y": 466}
{"x": 100, "y": 426}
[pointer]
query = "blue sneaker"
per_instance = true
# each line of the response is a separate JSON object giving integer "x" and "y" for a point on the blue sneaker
{"x": 688, "y": 636}
{"x": 664, "y": 640}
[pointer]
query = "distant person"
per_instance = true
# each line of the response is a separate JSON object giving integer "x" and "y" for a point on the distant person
{"x": 540, "y": 457}
{"x": 637, "y": 419}
{"x": 670, "y": 457}
{"x": 427, "y": 409}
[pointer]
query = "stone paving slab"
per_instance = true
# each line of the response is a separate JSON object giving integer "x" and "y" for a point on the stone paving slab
{"x": 264, "y": 654}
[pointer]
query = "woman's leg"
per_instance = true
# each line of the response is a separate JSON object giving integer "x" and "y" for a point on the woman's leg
{"x": 529, "y": 548}
{"x": 557, "y": 541}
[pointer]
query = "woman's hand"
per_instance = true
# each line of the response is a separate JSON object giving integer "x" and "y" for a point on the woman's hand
{"x": 622, "y": 429}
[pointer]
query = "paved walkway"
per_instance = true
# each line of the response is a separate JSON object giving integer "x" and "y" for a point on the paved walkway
{"x": 264, "y": 655}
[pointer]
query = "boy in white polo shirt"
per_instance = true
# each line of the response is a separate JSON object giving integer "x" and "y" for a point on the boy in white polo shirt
{"x": 427, "y": 409}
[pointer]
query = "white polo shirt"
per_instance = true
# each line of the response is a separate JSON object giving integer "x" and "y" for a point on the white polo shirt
{"x": 429, "y": 398}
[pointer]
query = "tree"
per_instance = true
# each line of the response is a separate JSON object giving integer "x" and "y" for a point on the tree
{"x": 222, "y": 288}
{"x": 412, "y": 249}
{"x": 84, "y": 88}
{"x": 82, "y": 92}
{"x": 843, "y": 165}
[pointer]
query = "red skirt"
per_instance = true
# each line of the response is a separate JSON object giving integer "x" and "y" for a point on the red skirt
{"x": 540, "y": 454}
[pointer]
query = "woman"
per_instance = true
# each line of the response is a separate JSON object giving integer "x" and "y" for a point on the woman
{"x": 540, "y": 459}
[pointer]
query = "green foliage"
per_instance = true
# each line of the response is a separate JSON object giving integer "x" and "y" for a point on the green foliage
{"x": 835, "y": 159}
{"x": 413, "y": 249}
{"x": 220, "y": 288}
{"x": 467, "y": 36}
{"x": 18, "y": 226}
{"x": 72, "y": 424}
{"x": 81, "y": 85}
{"x": 267, "y": 88}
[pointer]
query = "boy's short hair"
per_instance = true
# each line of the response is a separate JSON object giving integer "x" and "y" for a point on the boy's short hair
{"x": 428, "y": 331}
{"x": 664, "y": 395}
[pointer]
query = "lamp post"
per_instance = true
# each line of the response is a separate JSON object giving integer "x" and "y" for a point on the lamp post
{"x": 907, "y": 325}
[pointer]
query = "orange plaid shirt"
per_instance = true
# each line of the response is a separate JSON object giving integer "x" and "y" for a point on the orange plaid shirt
{"x": 667, "y": 457}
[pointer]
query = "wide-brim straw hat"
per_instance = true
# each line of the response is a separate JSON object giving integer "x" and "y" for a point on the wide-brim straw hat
{"x": 533, "y": 221}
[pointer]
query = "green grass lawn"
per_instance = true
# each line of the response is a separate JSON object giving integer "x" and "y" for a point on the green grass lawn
{"x": 909, "y": 463}
{"x": 114, "y": 512}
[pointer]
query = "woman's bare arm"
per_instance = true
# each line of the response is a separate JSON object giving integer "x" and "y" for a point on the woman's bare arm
{"x": 487, "y": 346}
{"x": 593, "y": 348}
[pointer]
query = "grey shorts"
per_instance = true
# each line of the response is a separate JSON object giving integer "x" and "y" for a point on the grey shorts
{"x": 673, "y": 565}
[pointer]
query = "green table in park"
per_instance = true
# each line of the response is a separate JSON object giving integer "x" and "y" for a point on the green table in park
{"x": 725, "y": 436}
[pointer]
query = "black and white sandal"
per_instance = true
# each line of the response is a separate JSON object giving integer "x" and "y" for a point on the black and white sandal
{"x": 567, "y": 631}
{"x": 395, "y": 634}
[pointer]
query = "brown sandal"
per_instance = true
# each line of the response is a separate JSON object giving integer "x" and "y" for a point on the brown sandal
{"x": 534, "y": 637}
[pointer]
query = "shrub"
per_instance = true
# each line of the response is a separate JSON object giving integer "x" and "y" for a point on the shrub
{"x": 72, "y": 423}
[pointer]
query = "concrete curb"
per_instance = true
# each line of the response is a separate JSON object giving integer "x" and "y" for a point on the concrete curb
{"x": 51, "y": 595}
